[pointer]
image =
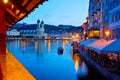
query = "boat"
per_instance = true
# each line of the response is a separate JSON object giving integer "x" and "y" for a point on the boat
{"x": 60, "y": 50}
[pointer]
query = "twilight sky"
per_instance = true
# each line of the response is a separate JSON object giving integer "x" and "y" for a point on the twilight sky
{"x": 55, "y": 12}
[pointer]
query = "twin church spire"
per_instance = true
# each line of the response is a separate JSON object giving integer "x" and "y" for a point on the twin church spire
{"x": 40, "y": 28}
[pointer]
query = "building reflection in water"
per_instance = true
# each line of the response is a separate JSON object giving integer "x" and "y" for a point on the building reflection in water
{"x": 64, "y": 42}
{"x": 79, "y": 65}
{"x": 17, "y": 44}
{"x": 23, "y": 45}
{"x": 36, "y": 46}
{"x": 45, "y": 43}
{"x": 39, "y": 48}
{"x": 49, "y": 45}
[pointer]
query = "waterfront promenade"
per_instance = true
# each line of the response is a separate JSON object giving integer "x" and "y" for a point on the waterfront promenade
{"x": 105, "y": 73}
{"x": 93, "y": 63}
{"x": 11, "y": 69}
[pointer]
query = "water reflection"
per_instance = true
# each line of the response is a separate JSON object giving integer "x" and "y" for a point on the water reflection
{"x": 36, "y": 46}
{"x": 42, "y": 55}
{"x": 49, "y": 46}
{"x": 23, "y": 45}
{"x": 45, "y": 43}
{"x": 80, "y": 66}
{"x": 64, "y": 43}
{"x": 41, "y": 48}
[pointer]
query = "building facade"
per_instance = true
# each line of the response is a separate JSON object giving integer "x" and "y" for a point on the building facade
{"x": 33, "y": 30}
{"x": 94, "y": 18}
{"x": 13, "y": 32}
{"x": 104, "y": 15}
{"x": 40, "y": 29}
{"x": 114, "y": 21}
{"x": 104, "y": 18}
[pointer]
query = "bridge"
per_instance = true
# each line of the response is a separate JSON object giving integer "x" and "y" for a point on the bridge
{"x": 12, "y": 11}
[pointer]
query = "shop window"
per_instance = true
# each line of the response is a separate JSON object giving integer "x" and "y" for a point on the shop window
{"x": 119, "y": 15}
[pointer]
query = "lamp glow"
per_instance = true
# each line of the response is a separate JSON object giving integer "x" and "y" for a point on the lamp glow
{"x": 5, "y": 1}
{"x": 77, "y": 35}
{"x": 84, "y": 32}
{"x": 107, "y": 33}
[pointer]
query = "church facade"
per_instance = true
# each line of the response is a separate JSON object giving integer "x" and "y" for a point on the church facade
{"x": 40, "y": 29}
{"x": 33, "y": 30}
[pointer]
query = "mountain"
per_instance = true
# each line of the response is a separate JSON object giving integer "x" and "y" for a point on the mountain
{"x": 50, "y": 28}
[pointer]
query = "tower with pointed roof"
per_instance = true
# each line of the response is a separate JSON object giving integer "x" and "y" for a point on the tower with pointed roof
{"x": 40, "y": 28}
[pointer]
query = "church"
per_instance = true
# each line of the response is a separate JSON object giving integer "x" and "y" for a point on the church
{"x": 33, "y": 30}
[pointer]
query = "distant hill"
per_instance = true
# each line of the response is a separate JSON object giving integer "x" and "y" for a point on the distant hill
{"x": 50, "y": 28}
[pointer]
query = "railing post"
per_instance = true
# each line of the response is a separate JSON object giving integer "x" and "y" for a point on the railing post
{"x": 2, "y": 29}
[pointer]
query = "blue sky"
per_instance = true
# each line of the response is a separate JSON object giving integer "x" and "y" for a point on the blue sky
{"x": 55, "y": 12}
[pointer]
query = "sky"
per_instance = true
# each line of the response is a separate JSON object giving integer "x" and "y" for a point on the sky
{"x": 56, "y": 12}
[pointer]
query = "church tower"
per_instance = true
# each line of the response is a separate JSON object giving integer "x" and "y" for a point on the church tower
{"x": 40, "y": 29}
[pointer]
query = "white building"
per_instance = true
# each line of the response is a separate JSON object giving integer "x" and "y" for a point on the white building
{"x": 13, "y": 32}
{"x": 33, "y": 30}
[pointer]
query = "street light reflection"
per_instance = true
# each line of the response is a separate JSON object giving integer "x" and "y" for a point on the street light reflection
{"x": 76, "y": 59}
{"x": 36, "y": 46}
{"x": 49, "y": 45}
{"x": 23, "y": 45}
{"x": 79, "y": 65}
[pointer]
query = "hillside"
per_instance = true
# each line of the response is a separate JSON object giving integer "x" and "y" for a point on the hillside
{"x": 50, "y": 28}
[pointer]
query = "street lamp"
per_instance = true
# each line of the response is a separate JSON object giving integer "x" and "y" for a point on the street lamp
{"x": 5, "y": 1}
{"x": 107, "y": 33}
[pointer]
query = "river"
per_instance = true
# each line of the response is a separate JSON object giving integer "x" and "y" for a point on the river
{"x": 41, "y": 59}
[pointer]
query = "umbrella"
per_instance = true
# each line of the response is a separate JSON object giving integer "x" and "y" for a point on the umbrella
{"x": 86, "y": 43}
{"x": 99, "y": 46}
{"x": 114, "y": 47}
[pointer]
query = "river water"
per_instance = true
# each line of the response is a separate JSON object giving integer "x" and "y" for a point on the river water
{"x": 41, "y": 59}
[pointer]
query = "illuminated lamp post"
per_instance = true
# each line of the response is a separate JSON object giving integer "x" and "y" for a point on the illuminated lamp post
{"x": 5, "y": 1}
{"x": 107, "y": 33}
{"x": 84, "y": 32}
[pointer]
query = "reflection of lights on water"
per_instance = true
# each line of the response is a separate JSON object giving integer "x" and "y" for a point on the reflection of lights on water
{"x": 45, "y": 42}
{"x": 49, "y": 45}
{"x": 23, "y": 45}
{"x": 76, "y": 65}
{"x": 83, "y": 65}
{"x": 76, "y": 59}
{"x": 80, "y": 67}
{"x": 16, "y": 43}
{"x": 36, "y": 45}
{"x": 64, "y": 43}
{"x": 84, "y": 68}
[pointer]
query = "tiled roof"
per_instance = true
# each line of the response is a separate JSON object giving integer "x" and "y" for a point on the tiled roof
{"x": 29, "y": 27}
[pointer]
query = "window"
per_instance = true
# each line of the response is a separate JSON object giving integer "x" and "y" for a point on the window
{"x": 111, "y": 6}
{"x": 117, "y": 2}
{"x": 116, "y": 17}
{"x": 119, "y": 15}
{"x": 28, "y": 32}
{"x": 113, "y": 18}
